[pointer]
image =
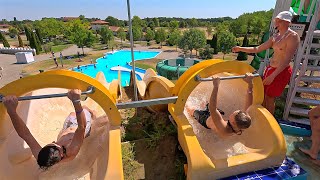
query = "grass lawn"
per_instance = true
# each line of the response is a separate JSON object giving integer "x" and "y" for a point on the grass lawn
{"x": 59, "y": 48}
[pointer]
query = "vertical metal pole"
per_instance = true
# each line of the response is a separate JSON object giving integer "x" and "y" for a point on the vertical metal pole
{"x": 132, "y": 54}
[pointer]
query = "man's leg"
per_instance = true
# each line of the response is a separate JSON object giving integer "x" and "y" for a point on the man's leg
{"x": 269, "y": 103}
{"x": 315, "y": 146}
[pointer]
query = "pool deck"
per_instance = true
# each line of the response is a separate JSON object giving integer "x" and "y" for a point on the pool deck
{"x": 120, "y": 68}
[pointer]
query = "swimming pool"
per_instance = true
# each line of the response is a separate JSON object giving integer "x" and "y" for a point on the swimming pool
{"x": 117, "y": 58}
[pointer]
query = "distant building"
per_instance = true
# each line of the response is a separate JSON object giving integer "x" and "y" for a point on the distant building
{"x": 98, "y": 24}
{"x": 67, "y": 19}
{"x": 4, "y": 28}
{"x": 114, "y": 29}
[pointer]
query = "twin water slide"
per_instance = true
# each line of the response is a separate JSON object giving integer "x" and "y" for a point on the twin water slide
{"x": 100, "y": 155}
{"x": 209, "y": 157}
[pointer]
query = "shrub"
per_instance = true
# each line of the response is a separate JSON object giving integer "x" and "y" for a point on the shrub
{"x": 4, "y": 40}
{"x": 206, "y": 53}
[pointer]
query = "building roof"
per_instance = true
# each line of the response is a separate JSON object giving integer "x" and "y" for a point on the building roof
{"x": 99, "y": 22}
{"x": 114, "y": 28}
{"x": 4, "y": 25}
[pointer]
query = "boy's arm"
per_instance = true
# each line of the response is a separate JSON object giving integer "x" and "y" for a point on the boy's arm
{"x": 11, "y": 103}
{"x": 264, "y": 46}
{"x": 216, "y": 117}
{"x": 249, "y": 98}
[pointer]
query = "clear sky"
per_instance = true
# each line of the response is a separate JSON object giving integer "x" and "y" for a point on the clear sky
{"x": 36, "y": 9}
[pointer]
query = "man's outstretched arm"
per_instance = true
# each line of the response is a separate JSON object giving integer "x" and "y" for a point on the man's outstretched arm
{"x": 11, "y": 103}
{"x": 76, "y": 143}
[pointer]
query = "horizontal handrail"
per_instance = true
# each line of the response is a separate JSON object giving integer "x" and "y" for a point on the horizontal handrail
{"x": 198, "y": 78}
{"x": 149, "y": 102}
{"x": 46, "y": 96}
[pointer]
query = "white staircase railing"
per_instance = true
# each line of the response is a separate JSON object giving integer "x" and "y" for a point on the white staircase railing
{"x": 301, "y": 67}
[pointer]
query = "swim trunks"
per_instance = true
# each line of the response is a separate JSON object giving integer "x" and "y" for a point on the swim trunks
{"x": 276, "y": 88}
{"x": 71, "y": 121}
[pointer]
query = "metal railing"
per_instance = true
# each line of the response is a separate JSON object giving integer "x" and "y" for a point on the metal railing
{"x": 198, "y": 78}
{"x": 144, "y": 103}
{"x": 46, "y": 96}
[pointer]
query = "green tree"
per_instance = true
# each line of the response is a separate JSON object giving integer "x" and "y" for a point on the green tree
{"x": 33, "y": 42}
{"x": 13, "y": 32}
{"x": 149, "y": 34}
{"x": 90, "y": 39}
{"x": 27, "y": 32}
{"x": 50, "y": 27}
{"x": 106, "y": 35}
{"x": 82, "y": 17}
{"x": 182, "y": 24}
{"x": 161, "y": 36}
{"x": 114, "y": 21}
{"x": 193, "y": 39}
{"x": 226, "y": 41}
{"x": 209, "y": 30}
{"x": 78, "y": 33}
{"x": 243, "y": 55}
{"x": 193, "y": 22}
{"x": 174, "y": 25}
{"x": 215, "y": 44}
{"x": 4, "y": 40}
{"x": 206, "y": 53}
{"x": 121, "y": 35}
{"x": 136, "y": 32}
{"x": 136, "y": 21}
{"x": 174, "y": 38}
{"x": 38, "y": 32}
{"x": 156, "y": 22}
{"x": 20, "y": 41}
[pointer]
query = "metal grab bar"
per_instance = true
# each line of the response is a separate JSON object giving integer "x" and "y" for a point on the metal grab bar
{"x": 198, "y": 78}
{"x": 149, "y": 102}
{"x": 90, "y": 90}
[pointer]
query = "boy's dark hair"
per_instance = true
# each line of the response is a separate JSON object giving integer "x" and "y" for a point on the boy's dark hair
{"x": 48, "y": 156}
{"x": 243, "y": 120}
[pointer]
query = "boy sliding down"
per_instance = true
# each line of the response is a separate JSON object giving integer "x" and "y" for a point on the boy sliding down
{"x": 211, "y": 117}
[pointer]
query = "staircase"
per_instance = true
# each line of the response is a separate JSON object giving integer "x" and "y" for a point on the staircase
{"x": 306, "y": 71}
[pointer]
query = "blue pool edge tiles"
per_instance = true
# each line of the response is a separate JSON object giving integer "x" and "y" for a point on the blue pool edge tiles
{"x": 288, "y": 170}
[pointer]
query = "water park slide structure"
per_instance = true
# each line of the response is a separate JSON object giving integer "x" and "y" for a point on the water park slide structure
{"x": 153, "y": 86}
{"x": 265, "y": 149}
{"x": 96, "y": 159}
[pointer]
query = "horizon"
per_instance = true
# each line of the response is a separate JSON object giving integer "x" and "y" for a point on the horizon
{"x": 203, "y": 10}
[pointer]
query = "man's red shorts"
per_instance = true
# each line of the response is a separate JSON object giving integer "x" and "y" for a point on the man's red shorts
{"x": 276, "y": 88}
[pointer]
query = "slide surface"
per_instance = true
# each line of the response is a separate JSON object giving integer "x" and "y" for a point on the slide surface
{"x": 153, "y": 86}
{"x": 45, "y": 118}
{"x": 209, "y": 157}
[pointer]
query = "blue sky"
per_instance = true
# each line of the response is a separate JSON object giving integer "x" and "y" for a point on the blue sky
{"x": 36, "y": 9}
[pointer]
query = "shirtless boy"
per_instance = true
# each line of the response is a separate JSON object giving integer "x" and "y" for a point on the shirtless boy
{"x": 278, "y": 73}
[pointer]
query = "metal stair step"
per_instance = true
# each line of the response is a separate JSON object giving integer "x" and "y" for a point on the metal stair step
{"x": 310, "y": 78}
{"x": 299, "y": 111}
{"x": 313, "y": 68}
{"x": 310, "y": 102}
{"x": 315, "y": 45}
{"x": 308, "y": 90}
{"x": 301, "y": 121}
{"x": 312, "y": 56}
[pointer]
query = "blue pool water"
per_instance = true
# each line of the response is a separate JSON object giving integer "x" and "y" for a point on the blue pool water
{"x": 121, "y": 58}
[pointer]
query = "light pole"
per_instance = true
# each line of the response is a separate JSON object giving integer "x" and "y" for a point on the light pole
{"x": 132, "y": 54}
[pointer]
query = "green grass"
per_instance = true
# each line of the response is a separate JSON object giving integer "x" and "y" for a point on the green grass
{"x": 130, "y": 166}
{"x": 59, "y": 48}
{"x": 144, "y": 66}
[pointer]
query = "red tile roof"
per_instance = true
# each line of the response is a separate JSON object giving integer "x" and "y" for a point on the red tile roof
{"x": 114, "y": 28}
{"x": 65, "y": 19}
{"x": 4, "y": 25}
{"x": 99, "y": 22}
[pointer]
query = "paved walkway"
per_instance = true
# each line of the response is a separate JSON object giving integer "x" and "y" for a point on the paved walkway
{"x": 12, "y": 71}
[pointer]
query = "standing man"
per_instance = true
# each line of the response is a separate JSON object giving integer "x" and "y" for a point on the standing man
{"x": 61, "y": 58}
{"x": 54, "y": 58}
{"x": 277, "y": 74}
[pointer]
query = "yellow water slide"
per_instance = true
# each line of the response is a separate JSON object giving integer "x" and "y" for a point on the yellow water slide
{"x": 99, "y": 157}
{"x": 153, "y": 86}
{"x": 210, "y": 157}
